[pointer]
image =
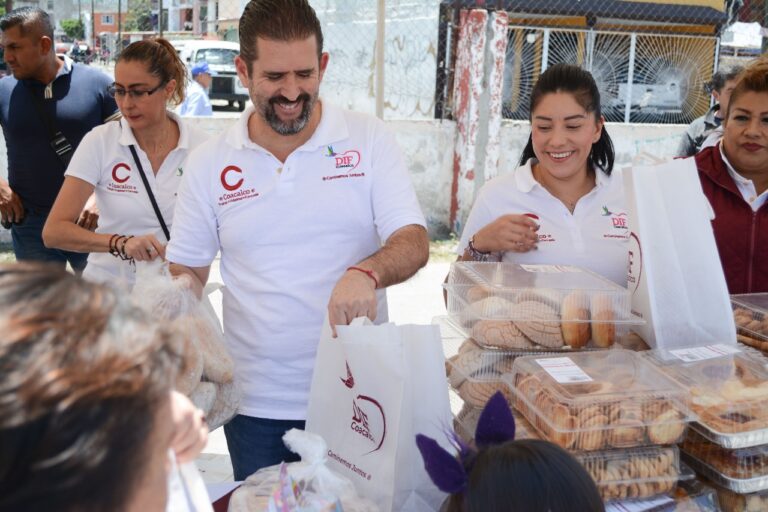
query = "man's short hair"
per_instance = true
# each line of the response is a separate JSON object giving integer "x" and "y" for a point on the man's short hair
{"x": 721, "y": 77}
{"x": 277, "y": 20}
{"x": 30, "y": 20}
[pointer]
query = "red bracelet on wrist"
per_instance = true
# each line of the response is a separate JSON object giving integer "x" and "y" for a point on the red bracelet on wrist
{"x": 369, "y": 273}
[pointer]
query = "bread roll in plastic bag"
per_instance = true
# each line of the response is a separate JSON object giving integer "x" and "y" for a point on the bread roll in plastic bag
{"x": 321, "y": 488}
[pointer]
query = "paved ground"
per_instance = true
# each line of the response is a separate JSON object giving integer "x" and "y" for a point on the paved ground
{"x": 416, "y": 301}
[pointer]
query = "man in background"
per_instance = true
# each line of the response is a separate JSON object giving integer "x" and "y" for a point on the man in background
{"x": 47, "y": 105}
{"x": 705, "y": 127}
{"x": 197, "y": 102}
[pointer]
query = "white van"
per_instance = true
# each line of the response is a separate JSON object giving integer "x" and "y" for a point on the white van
{"x": 220, "y": 56}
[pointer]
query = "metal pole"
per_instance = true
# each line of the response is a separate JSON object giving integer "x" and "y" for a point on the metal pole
{"x": 119, "y": 46}
{"x": 79, "y": 11}
{"x": 545, "y": 50}
{"x": 160, "y": 17}
{"x": 630, "y": 76}
{"x": 93, "y": 26}
{"x": 380, "y": 33}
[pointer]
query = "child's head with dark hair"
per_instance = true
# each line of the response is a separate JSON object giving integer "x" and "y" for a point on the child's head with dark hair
{"x": 504, "y": 475}
{"x": 530, "y": 475}
{"x": 574, "y": 84}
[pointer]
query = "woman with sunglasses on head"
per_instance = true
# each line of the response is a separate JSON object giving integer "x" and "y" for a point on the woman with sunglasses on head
{"x": 134, "y": 165}
{"x": 562, "y": 205}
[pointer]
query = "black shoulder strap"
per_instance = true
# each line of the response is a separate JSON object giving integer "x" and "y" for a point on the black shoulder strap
{"x": 150, "y": 194}
{"x": 58, "y": 141}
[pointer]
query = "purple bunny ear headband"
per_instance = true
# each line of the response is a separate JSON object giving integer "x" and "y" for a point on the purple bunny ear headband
{"x": 496, "y": 425}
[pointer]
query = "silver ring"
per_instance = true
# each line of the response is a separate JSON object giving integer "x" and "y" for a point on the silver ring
{"x": 149, "y": 250}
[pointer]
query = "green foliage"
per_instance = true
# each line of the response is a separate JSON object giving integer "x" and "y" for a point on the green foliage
{"x": 73, "y": 28}
{"x": 139, "y": 16}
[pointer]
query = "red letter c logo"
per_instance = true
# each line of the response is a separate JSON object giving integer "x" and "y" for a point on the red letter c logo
{"x": 226, "y": 184}
{"x": 118, "y": 179}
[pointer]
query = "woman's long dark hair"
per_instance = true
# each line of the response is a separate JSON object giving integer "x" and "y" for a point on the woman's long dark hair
{"x": 527, "y": 475}
{"x": 579, "y": 83}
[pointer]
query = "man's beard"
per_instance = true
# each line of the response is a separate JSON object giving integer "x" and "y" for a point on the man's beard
{"x": 267, "y": 111}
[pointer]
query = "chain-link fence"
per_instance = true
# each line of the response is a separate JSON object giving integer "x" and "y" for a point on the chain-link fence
{"x": 652, "y": 59}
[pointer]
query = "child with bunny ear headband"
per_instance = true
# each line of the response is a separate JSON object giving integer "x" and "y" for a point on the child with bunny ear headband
{"x": 504, "y": 475}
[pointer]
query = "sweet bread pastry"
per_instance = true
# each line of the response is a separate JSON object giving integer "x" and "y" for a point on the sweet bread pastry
{"x": 667, "y": 428}
{"x": 477, "y": 293}
{"x": 500, "y": 333}
{"x": 477, "y": 393}
{"x": 540, "y": 329}
{"x": 551, "y": 298}
{"x": 574, "y": 312}
{"x": 603, "y": 318}
{"x": 638, "y": 474}
{"x": 491, "y": 307}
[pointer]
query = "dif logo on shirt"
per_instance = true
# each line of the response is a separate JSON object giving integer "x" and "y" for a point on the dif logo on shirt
{"x": 121, "y": 174}
{"x": 347, "y": 162}
{"x": 232, "y": 181}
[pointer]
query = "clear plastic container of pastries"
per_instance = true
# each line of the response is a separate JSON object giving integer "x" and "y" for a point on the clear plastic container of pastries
{"x": 537, "y": 307}
{"x": 745, "y": 469}
{"x": 690, "y": 495}
{"x": 731, "y": 501}
{"x": 728, "y": 386}
{"x": 750, "y": 311}
{"x": 633, "y": 473}
{"x": 601, "y": 400}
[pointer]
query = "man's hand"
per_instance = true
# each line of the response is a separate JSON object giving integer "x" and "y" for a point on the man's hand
{"x": 508, "y": 233}
{"x": 89, "y": 217}
{"x": 11, "y": 209}
{"x": 353, "y": 296}
{"x": 190, "y": 429}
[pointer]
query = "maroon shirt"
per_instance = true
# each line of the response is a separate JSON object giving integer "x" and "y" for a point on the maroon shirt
{"x": 741, "y": 234}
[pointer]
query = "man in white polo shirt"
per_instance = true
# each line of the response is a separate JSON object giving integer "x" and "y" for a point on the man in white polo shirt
{"x": 314, "y": 213}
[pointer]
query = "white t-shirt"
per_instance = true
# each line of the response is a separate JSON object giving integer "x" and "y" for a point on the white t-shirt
{"x": 104, "y": 160}
{"x": 595, "y": 236}
{"x": 746, "y": 186}
{"x": 287, "y": 232}
{"x": 196, "y": 102}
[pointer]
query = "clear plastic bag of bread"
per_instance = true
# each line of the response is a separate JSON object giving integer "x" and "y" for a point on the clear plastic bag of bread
{"x": 320, "y": 489}
{"x": 209, "y": 379}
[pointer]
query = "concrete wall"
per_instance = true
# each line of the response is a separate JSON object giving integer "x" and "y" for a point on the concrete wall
{"x": 428, "y": 146}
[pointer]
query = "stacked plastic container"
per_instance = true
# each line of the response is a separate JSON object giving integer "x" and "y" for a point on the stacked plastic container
{"x": 750, "y": 311}
{"x": 536, "y": 307}
{"x": 728, "y": 443}
{"x": 619, "y": 414}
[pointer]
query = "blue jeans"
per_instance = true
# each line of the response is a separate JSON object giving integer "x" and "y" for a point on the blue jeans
{"x": 28, "y": 243}
{"x": 256, "y": 443}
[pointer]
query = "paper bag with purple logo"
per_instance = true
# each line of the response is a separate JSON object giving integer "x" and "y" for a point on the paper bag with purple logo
{"x": 675, "y": 277}
{"x": 373, "y": 389}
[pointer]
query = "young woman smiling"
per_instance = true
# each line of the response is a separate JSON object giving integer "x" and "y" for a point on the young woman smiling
{"x": 134, "y": 165}
{"x": 562, "y": 205}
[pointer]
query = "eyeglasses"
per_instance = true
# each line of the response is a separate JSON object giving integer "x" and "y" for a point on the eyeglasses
{"x": 136, "y": 94}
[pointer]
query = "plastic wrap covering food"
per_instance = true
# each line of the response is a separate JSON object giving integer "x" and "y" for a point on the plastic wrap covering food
{"x": 748, "y": 467}
{"x": 690, "y": 495}
{"x": 750, "y": 311}
{"x": 599, "y": 400}
{"x": 544, "y": 307}
{"x": 320, "y": 487}
{"x": 633, "y": 473}
{"x": 731, "y": 501}
{"x": 728, "y": 385}
{"x": 209, "y": 376}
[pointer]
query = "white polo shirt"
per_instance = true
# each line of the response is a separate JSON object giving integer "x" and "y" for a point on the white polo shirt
{"x": 746, "y": 186}
{"x": 104, "y": 160}
{"x": 287, "y": 232}
{"x": 594, "y": 236}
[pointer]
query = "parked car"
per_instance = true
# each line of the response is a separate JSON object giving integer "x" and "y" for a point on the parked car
{"x": 220, "y": 56}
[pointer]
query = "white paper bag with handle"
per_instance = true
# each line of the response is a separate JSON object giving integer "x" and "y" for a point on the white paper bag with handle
{"x": 675, "y": 277}
{"x": 373, "y": 389}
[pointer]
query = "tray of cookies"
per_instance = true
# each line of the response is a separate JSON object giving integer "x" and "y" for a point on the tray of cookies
{"x": 599, "y": 400}
{"x": 738, "y": 485}
{"x": 731, "y": 501}
{"x": 537, "y": 307}
{"x": 633, "y": 473}
{"x": 745, "y": 467}
{"x": 750, "y": 311}
{"x": 728, "y": 386}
